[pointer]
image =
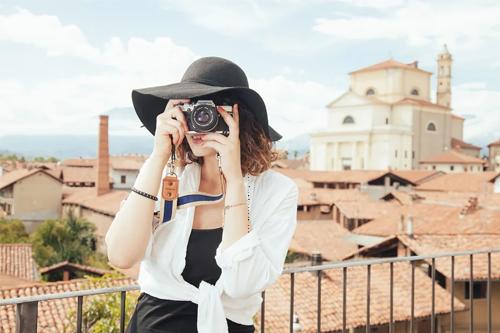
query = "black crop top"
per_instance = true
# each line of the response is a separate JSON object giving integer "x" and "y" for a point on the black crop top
{"x": 155, "y": 315}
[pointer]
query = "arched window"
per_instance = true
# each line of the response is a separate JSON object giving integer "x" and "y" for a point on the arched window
{"x": 414, "y": 92}
{"x": 348, "y": 120}
{"x": 370, "y": 91}
{"x": 431, "y": 127}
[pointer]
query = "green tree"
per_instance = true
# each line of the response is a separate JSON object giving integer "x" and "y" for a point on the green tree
{"x": 69, "y": 239}
{"x": 101, "y": 313}
{"x": 13, "y": 231}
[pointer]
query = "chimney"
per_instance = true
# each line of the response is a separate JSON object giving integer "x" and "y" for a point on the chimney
{"x": 102, "y": 176}
{"x": 409, "y": 226}
{"x": 387, "y": 183}
{"x": 414, "y": 64}
{"x": 316, "y": 259}
{"x": 469, "y": 207}
{"x": 296, "y": 324}
{"x": 401, "y": 226}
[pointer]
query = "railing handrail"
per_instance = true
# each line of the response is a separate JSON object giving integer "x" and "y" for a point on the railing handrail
{"x": 309, "y": 268}
{"x": 365, "y": 262}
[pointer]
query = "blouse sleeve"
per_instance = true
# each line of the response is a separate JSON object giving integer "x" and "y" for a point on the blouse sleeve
{"x": 256, "y": 260}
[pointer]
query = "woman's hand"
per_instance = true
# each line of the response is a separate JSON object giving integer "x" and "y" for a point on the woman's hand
{"x": 171, "y": 126}
{"x": 228, "y": 147}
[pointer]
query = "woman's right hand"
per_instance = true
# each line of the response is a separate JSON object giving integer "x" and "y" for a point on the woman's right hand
{"x": 171, "y": 126}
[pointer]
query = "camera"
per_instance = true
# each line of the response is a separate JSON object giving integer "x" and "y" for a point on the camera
{"x": 203, "y": 116}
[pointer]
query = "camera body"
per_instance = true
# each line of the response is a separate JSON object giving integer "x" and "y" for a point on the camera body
{"x": 203, "y": 117}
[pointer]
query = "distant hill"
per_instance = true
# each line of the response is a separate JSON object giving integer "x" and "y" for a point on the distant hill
{"x": 70, "y": 146}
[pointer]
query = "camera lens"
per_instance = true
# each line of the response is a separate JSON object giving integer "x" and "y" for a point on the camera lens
{"x": 204, "y": 118}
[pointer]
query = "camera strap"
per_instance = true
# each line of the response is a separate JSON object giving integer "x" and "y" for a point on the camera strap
{"x": 171, "y": 201}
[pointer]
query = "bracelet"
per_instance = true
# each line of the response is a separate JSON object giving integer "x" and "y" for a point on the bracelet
{"x": 144, "y": 194}
{"x": 238, "y": 204}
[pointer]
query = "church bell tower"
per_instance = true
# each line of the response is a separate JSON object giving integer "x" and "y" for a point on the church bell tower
{"x": 444, "y": 61}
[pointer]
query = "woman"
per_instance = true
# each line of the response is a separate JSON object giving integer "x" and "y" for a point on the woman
{"x": 204, "y": 269}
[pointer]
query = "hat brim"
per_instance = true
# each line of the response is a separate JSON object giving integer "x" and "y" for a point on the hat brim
{"x": 150, "y": 102}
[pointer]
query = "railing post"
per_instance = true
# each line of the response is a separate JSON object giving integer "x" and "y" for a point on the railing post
{"x": 292, "y": 291}
{"x": 123, "y": 301}
{"x": 262, "y": 311}
{"x": 27, "y": 317}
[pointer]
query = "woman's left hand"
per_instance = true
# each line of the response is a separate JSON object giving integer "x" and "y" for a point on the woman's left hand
{"x": 228, "y": 147}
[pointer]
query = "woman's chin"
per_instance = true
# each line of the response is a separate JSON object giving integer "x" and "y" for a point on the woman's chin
{"x": 202, "y": 151}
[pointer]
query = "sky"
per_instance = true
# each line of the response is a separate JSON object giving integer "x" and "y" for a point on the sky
{"x": 66, "y": 62}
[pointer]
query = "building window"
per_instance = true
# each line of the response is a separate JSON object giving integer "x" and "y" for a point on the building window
{"x": 123, "y": 179}
{"x": 348, "y": 120}
{"x": 478, "y": 289}
{"x": 452, "y": 167}
{"x": 406, "y": 154}
{"x": 414, "y": 92}
{"x": 433, "y": 167}
{"x": 413, "y": 154}
{"x": 431, "y": 127}
{"x": 386, "y": 121}
{"x": 396, "y": 153}
{"x": 370, "y": 91}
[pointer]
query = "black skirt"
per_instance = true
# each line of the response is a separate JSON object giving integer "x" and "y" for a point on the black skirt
{"x": 155, "y": 315}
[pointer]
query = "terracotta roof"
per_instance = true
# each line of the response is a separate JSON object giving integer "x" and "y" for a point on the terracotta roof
{"x": 421, "y": 102}
{"x": 52, "y": 314}
{"x": 457, "y": 143}
{"x": 13, "y": 281}
{"x": 494, "y": 143}
{"x": 417, "y": 176}
{"x": 403, "y": 197}
{"x": 479, "y": 182}
{"x": 486, "y": 200}
{"x": 79, "y": 175}
{"x": 14, "y": 176}
{"x": 75, "y": 266}
{"x": 325, "y": 236}
{"x": 452, "y": 156}
{"x": 108, "y": 203}
{"x": 125, "y": 162}
{"x": 17, "y": 260}
{"x": 390, "y": 64}
{"x": 343, "y": 176}
{"x": 277, "y": 297}
{"x": 435, "y": 244}
{"x": 366, "y": 210}
{"x": 291, "y": 164}
{"x": 435, "y": 219}
{"x": 328, "y": 196}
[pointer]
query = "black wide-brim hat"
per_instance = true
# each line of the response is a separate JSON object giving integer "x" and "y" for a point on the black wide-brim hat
{"x": 207, "y": 75}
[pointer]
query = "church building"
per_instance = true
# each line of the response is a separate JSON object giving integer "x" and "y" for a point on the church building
{"x": 386, "y": 119}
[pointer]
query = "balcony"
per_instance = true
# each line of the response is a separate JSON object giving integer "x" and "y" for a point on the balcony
{"x": 397, "y": 294}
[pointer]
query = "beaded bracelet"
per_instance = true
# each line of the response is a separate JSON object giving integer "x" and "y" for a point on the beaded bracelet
{"x": 144, "y": 194}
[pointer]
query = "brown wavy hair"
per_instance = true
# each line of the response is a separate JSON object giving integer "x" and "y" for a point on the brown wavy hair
{"x": 256, "y": 149}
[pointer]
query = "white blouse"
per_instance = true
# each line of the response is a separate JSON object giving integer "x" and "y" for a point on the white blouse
{"x": 248, "y": 266}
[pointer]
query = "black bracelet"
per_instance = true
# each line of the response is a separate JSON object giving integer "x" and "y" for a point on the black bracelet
{"x": 144, "y": 194}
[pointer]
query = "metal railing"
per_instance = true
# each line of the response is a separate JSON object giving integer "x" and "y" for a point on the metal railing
{"x": 26, "y": 307}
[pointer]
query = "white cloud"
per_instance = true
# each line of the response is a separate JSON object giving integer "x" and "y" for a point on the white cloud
{"x": 46, "y": 32}
{"x": 72, "y": 104}
{"x": 481, "y": 106}
{"x": 379, "y": 4}
{"x": 294, "y": 107}
{"x": 233, "y": 17}
{"x": 465, "y": 26}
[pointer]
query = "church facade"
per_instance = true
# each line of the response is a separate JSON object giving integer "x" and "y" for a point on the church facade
{"x": 386, "y": 119}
